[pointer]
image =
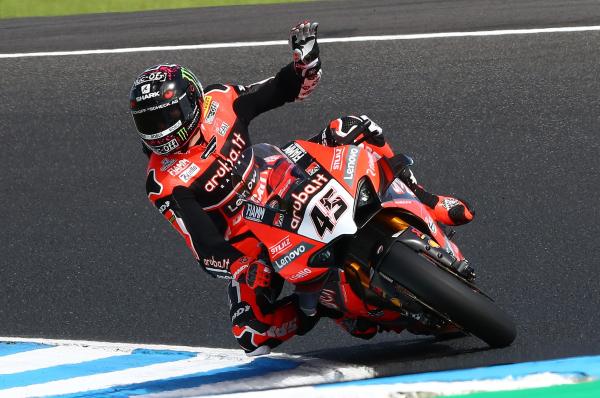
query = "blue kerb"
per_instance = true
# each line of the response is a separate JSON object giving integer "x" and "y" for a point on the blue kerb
{"x": 258, "y": 367}
{"x": 585, "y": 366}
{"x": 137, "y": 358}
{"x": 9, "y": 348}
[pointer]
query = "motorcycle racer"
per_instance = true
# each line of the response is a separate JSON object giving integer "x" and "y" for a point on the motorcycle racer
{"x": 193, "y": 137}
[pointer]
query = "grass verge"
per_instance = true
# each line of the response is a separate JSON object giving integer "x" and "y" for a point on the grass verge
{"x": 46, "y": 8}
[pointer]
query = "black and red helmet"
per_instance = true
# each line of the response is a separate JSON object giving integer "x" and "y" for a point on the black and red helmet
{"x": 166, "y": 105}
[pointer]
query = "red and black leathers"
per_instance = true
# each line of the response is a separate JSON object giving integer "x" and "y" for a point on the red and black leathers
{"x": 193, "y": 189}
{"x": 194, "y": 192}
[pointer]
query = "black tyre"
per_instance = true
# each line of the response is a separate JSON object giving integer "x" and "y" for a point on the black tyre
{"x": 444, "y": 292}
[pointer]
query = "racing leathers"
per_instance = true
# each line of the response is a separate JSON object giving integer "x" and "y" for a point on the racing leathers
{"x": 193, "y": 191}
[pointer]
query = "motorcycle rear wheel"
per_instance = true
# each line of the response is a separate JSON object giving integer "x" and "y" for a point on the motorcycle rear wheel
{"x": 448, "y": 295}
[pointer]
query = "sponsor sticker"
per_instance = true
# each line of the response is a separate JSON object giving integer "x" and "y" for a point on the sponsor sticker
{"x": 292, "y": 255}
{"x": 206, "y": 104}
{"x": 294, "y": 151}
{"x": 166, "y": 163}
{"x": 338, "y": 155}
{"x": 210, "y": 114}
{"x": 152, "y": 77}
{"x": 280, "y": 246}
{"x": 222, "y": 264}
{"x": 240, "y": 311}
{"x": 351, "y": 159}
{"x": 147, "y": 96}
{"x": 278, "y": 220}
{"x": 179, "y": 167}
{"x": 164, "y": 207}
{"x": 301, "y": 274}
{"x": 254, "y": 213}
{"x": 168, "y": 147}
{"x": 301, "y": 198}
{"x": 313, "y": 168}
{"x": 284, "y": 329}
{"x": 226, "y": 165}
{"x": 223, "y": 129}
{"x": 188, "y": 173}
{"x": 449, "y": 203}
{"x": 371, "y": 169}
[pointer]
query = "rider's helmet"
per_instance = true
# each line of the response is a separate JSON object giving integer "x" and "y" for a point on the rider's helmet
{"x": 166, "y": 103}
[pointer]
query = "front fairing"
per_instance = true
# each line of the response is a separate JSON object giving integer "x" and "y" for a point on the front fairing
{"x": 314, "y": 206}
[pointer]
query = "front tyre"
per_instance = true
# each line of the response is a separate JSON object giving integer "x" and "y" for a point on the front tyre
{"x": 448, "y": 295}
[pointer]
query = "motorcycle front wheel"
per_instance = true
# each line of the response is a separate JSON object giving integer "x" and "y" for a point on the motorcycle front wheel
{"x": 448, "y": 295}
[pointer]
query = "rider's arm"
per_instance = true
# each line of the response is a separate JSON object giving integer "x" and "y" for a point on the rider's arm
{"x": 268, "y": 94}
{"x": 216, "y": 255}
{"x": 295, "y": 81}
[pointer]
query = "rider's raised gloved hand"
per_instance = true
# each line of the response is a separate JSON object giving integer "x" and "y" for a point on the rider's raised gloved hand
{"x": 303, "y": 40}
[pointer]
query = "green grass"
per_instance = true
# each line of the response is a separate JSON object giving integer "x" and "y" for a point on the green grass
{"x": 579, "y": 390}
{"x": 39, "y": 8}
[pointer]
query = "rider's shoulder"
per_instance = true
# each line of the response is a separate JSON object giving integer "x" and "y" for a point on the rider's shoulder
{"x": 219, "y": 93}
{"x": 221, "y": 89}
{"x": 166, "y": 172}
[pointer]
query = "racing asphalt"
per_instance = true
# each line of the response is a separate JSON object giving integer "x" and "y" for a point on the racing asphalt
{"x": 508, "y": 122}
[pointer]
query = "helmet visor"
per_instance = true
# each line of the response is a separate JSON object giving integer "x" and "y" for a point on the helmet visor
{"x": 151, "y": 123}
{"x": 165, "y": 124}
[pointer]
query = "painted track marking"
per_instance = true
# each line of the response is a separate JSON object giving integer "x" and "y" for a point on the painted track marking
{"x": 53, "y": 356}
{"x": 321, "y": 41}
{"x": 71, "y": 368}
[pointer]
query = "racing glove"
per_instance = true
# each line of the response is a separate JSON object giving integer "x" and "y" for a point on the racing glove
{"x": 254, "y": 273}
{"x": 258, "y": 275}
{"x": 347, "y": 129}
{"x": 303, "y": 41}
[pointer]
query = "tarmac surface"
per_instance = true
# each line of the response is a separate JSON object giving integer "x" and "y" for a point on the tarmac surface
{"x": 508, "y": 122}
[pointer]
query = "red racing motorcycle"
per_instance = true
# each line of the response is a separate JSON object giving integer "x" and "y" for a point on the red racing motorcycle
{"x": 339, "y": 225}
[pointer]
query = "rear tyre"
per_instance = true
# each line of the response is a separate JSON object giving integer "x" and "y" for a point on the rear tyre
{"x": 447, "y": 294}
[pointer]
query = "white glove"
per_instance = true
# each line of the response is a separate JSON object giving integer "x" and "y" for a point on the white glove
{"x": 303, "y": 40}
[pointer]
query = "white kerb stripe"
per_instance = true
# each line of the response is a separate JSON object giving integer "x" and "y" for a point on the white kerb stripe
{"x": 321, "y": 41}
{"x": 55, "y": 356}
{"x": 123, "y": 377}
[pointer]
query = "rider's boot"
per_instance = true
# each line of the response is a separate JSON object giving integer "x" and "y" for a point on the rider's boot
{"x": 445, "y": 209}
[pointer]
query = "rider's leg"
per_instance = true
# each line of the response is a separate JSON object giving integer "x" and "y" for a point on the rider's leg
{"x": 259, "y": 324}
{"x": 445, "y": 209}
